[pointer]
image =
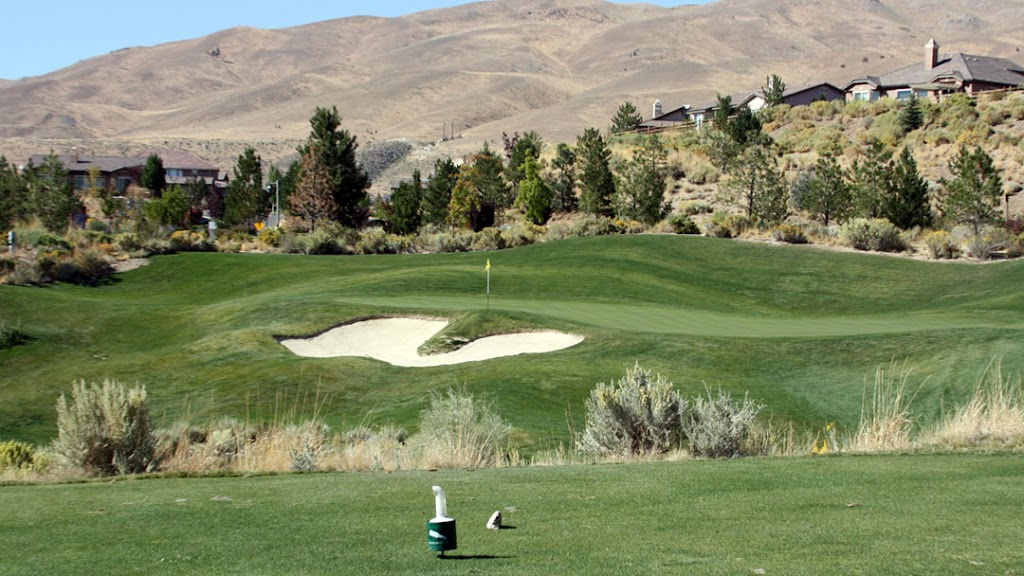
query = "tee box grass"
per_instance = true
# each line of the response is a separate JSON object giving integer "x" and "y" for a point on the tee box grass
{"x": 878, "y": 515}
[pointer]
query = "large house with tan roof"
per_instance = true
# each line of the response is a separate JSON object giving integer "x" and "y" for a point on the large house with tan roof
{"x": 940, "y": 75}
{"x": 119, "y": 172}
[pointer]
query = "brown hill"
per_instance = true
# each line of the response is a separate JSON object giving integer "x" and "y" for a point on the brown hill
{"x": 555, "y": 66}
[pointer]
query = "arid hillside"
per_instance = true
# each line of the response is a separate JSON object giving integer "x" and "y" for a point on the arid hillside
{"x": 555, "y": 66}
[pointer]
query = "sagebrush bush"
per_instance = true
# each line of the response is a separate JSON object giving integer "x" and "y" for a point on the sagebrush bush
{"x": 487, "y": 239}
{"x": 87, "y": 267}
{"x": 990, "y": 243}
{"x": 189, "y": 241}
{"x": 378, "y": 241}
{"x": 16, "y": 455}
{"x": 640, "y": 414}
{"x": 789, "y": 233}
{"x": 941, "y": 245}
{"x": 717, "y": 424}
{"x": 875, "y": 234}
{"x": 460, "y": 431}
{"x": 106, "y": 429}
{"x": 520, "y": 234}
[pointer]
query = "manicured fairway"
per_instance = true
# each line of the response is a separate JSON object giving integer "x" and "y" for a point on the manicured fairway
{"x": 877, "y": 515}
{"x": 798, "y": 328}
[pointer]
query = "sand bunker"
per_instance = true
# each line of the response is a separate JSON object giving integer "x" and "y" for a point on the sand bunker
{"x": 395, "y": 341}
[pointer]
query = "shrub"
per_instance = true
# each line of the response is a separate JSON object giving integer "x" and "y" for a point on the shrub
{"x": 106, "y": 429}
{"x": 941, "y": 245}
{"x": 638, "y": 415}
{"x": 874, "y": 234}
{"x": 717, "y": 425}
{"x": 188, "y": 241}
{"x": 698, "y": 207}
{"x": 378, "y": 241}
{"x": 128, "y": 242}
{"x": 520, "y": 234}
{"x": 682, "y": 224}
{"x": 487, "y": 239}
{"x": 271, "y": 236}
{"x": 316, "y": 242}
{"x": 16, "y": 455}
{"x": 460, "y": 431}
{"x": 789, "y": 233}
{"x": 87, "y": 267}
{"x": 41, "y": 238}
{"x": 989, "y": 244}
{"x": 724, "y": 225}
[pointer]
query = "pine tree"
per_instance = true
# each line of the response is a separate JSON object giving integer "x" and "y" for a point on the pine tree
{"x": 829, "y": 197}
{"x": 563, "y": 185}
{"x": 597, "y": 184}
{"x": 337, "y": 153}
{"x": 911, "y": 118}
{"x": 773, "y": 90}
{"x": 154, "y": 177}
{"x": 756, "y": 184}
{"x": 439, "y": 191}
{"x": 52, "y": 195}
{"x": 14, "y": 196}
{"x": 626, "y": 119}
{"x": 872, "y": 180}
{"x": 640, "y": 183}
{"x": 972, "y": 196}
{"x": 534, "y": 194}
{"x": 406, "y": 203}
{"x": 517, "y": 150}
{"x": 246, "y": 203}
{"x": 909, "y": 204}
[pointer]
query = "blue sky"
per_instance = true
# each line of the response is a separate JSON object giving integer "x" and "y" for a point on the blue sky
{"x": 41, "y": 36}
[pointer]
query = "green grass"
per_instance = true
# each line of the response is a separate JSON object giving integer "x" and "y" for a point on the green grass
{"x": 876, "y": 515}
{"x": 798, "y": 328}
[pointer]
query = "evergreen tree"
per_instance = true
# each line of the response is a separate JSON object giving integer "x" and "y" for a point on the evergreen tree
{"x": 313, "y": 198}
{"x": 597, "y": 184}
{"x": 154, "y": 177}
{"x": 723, "y": 112}
{"x": 774, "y": 89}
{"x": 15, "y": 204}
{"x": 910, "y": 118}
{"x": 909, "y": 204}
{"x": 563, "y": 185}
{"x": 337, "y": 153}
{"x": 756, "y": 184}
{"x": 517, "y": 150}
{"x": 626, "y": 119}
{"x": 479, "y": 192}
{"x": 744, "y": 128}
{"x": 872, "y": 180}
{"x": 406, "y": 204}
{"x": 170, "y": 209}
{"x": 52, "y": 194}
{"x": 534, "y": 194}
{"x": 640, "y": 183}
{"x": 972, "y": 196}
{"x": 829, "y": 197}
{"x": 438, "y": 194}
{"x": 246, "y": 201}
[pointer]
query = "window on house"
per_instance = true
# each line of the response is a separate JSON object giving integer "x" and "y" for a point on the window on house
{"x": 123, "y": 182}
{"x": 175, "y": 173}
{"x": 904, "y": 94}
{"x": 866, "y": 96}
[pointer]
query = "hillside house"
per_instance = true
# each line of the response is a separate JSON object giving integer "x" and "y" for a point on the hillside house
{"x": 800, "y": 96}
{"x": 119, "y": 172}
{"x": 941, "y": 74}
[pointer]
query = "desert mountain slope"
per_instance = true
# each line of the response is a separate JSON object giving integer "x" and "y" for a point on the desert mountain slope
{"x": 555, "y": 66}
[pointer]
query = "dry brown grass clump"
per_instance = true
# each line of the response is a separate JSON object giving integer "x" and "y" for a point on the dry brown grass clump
{"x": 886, "y": 420}
{"x": 992, "y": 418}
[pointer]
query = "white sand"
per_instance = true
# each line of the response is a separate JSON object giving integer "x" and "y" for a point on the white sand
{"x": 395, "y": 340}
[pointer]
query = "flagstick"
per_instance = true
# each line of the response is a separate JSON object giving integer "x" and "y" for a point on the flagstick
{"x": 488, "y": 288}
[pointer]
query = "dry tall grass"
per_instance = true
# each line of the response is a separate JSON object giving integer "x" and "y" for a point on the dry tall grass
{"x": 886, "y": 420}
{"x": 992, "y": 418}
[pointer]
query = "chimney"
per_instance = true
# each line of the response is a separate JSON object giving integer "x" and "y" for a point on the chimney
{"x": 931, "y": 54}
{"x": 657, "y": 109}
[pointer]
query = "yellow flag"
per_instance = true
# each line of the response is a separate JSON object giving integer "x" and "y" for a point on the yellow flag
{"x": 488, "y": 264}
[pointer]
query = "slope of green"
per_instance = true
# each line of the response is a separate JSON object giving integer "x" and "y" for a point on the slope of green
{"x": 880, "y": 515}
{"x": 796, "y": 327}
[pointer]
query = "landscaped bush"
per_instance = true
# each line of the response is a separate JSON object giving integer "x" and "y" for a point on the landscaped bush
{"x": 316, "y": 242}
{"x": 87, "y": 267}
{"x": 789, "y": 233}
{"x": 458, "y": 431}
{"x": 271, "y": 236}
{"x": 716, "y": 425}
{"x": 487, "y": 239}
{"x": 520, "y": 234}
{"x": 682, "y": 224}
{"x": 37, "y": 237}
{"x": 188, "y": 241}
{"x": 640, "y": 414}
{"x": 16, "y": 455}
{"x": 724, "y": 225}
{"x": 874, "y": 234}
{"x": 106, "y": 429}
{"x": 378, "y": 241}
{"x": 941, "y": 245}
{"x": 991, "y": 243}
{"x": 128, "y": 242}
